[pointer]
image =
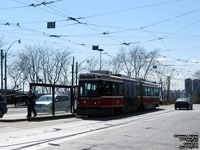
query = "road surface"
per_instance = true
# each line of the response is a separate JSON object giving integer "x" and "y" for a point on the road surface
{"x": 149, "y": 130}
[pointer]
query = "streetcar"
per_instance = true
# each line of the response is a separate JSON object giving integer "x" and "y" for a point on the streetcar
{"x": 103, "y": 93}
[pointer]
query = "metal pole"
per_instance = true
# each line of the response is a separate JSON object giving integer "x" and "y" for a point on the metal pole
{"x": 72, "y": 88}
{"x": 53, "y": 100}
{"x": 2, "y": 57}
{"x": 5, "y": 74}
{"x": 76, "y": 74}
{"x": 1, "y": 70}
{"x": 100, "y": 60}
{"x": 100, "y": 57}
{"x": 168, "y": 88}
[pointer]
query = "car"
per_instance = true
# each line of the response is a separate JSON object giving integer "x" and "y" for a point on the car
{"x": 183, "y": 103}
{"x": 3, "y": 106}
{"x": 44, "y": 104}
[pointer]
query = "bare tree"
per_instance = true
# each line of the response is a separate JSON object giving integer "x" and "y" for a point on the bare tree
{"x": 137, "y": 61}
{"x": 15, "y": 72}
{"x": 126, "y": 61}
{"x": 113, "y": 64}
{"x": 88, "y": 64}
{"x": 40, "y": 63}
{"x": 161, "y": 75}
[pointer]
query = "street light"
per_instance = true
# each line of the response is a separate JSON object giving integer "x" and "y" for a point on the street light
{"x": 5, "y": 56}
{"x": 100, "y": 50}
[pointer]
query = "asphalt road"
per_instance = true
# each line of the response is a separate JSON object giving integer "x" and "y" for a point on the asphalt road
{"x": 152, "y": 130}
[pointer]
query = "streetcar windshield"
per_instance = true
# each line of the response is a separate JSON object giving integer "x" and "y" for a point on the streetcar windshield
{"x": 89, "y": 89}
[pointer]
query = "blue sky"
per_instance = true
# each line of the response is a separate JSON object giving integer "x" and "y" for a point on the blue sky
{"x": 172, "y": 26}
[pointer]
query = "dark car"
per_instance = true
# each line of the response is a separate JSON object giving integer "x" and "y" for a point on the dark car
{"x": 183, "y": 103}
{"x": 3, "y": 106}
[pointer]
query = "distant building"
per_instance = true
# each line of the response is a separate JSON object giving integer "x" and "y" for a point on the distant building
{"x": 188, "y": 86}
{"x": 192, "y": 87}
{"x": 196, "y": 87}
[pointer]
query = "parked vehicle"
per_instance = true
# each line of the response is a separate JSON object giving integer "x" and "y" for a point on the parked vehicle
{"x": 44, "y": 103}
{"x": 183, "y": 103}
{"x": 3, "y": 106}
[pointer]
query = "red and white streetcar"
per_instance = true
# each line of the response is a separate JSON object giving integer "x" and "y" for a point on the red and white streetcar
{"x": 102, "y": 93}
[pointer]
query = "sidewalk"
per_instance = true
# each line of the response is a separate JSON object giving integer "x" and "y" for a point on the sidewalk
{"x": 18, "y": 113}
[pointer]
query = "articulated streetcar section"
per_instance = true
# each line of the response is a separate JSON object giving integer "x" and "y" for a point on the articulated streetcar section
{"x": 104, "y": 93}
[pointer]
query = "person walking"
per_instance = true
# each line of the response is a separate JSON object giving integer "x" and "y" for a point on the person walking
{"x": 31, "y": 104}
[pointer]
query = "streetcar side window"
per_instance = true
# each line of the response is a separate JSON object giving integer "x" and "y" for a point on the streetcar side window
{"x": 145, "y": 91}
{"x": 106, "y": 89}
{"x": 89, "y": 89}
{"x": 81, "y": 91}
{"x": 152, "y": 91}
{"x": 130, "y": 89}
{"x": 126, "y": 88}
{"x": 156, "y": 92}
{"x": 114, "y": 89}
{"x": 120, "y": 89}
{"x": 134, "y": 90}
{"x": 117, "y": 89}
{"x": 148, "y": 91}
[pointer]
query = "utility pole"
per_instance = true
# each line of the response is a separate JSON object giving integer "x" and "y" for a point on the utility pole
{"x": 100, "y": 50}
{"x": 72, "y": 88}
{"x": 168, "y": 88}
{"x": 2, "y": 57}
{"x": 76, "y": 74}
{"x": 53, "y": 100}
{"x": 5, "y": 57}
{"x": 100, "y": 57}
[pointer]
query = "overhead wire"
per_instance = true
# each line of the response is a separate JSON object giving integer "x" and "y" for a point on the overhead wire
{"x": 141, "y": 28}
{"x": 134, "y": 8}
{"x": 106, "y": 33}
{"x": 16, "y": 7}
{"x": 97, "y": 29}
{"x": 125, "y": 43}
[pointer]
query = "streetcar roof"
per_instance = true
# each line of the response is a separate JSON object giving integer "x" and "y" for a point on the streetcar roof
{"x": 98, "y": 76}
{"x": 108, "y": 76}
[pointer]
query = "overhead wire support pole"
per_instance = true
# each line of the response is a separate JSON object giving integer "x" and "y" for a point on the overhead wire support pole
{"x": 100, "y": 50}
{"x": 5, "y": 56}
{"x": 72, "y": 88}
{"x": 76, "y": 74}
{"x": 168, "y": 88}
{"x": 2, "y": 57}
{"x": 100, "y": 60}
{"x": 100, "y": 57}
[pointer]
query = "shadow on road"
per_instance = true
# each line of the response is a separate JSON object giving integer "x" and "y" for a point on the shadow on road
{"x": 122, "y": 116}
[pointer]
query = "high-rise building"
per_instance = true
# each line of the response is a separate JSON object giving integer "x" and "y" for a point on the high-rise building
{"x": 196, "y": 86}
{"x": 188, "y": 86}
